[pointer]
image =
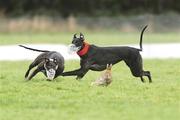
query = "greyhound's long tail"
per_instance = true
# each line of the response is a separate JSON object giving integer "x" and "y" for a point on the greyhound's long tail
{"x": 141, "y": 38}
{"x": 33, "y": 49}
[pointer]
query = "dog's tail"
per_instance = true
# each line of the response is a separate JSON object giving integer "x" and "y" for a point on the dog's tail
{"x": 141, "y": 38}
{"x": 33, "y": 49}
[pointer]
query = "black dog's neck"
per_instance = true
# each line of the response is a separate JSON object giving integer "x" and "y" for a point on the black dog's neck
{"x": 84, "y": 50}
{"x": 82, "y": 47}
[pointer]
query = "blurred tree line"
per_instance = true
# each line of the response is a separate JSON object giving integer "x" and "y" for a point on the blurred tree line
{"x": 86, "y": 7}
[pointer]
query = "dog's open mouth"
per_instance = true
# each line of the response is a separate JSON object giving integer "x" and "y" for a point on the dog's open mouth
{"x": 73, "y": 49}
{"x": 50, "y": 74}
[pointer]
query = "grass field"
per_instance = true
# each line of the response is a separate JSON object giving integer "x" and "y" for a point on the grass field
{"x": 68, "y": 99}
{"x": 99, "y": 38}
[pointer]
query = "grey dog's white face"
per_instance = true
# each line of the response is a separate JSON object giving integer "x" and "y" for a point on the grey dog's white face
{"x": 50, "y": 67}
{"x": 50, "y": 74}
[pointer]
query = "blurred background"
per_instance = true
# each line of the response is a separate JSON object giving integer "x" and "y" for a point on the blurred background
{"x": 89, "y": 15}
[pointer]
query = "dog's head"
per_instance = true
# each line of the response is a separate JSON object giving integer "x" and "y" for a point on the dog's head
{"x": 77, "y": 43}
{"x": 50, "y": 66}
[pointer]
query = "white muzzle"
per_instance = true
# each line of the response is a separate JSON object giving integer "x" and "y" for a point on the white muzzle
{"x": 73, "y": 49}
{"x": 50, "y": 74}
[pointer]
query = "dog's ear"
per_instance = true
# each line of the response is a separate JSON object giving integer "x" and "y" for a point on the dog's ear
{"x": 81, "y": 36}
{"x": 75, "y": 35}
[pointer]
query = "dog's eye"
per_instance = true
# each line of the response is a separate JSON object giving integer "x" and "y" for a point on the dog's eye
{"x": 74, "y": 42}
{"x": 55, "y": 60}
{"x": 46, "y": 60}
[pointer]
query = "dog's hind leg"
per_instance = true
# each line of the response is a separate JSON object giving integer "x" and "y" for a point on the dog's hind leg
{"x": 29, "y": 69}
{"x": 32, "y": 65}
{"x": 148, "y": 74}
{"x": 135, "y": 66}
{"x": 34, "y": 73}
{"x": 142, "y": 79}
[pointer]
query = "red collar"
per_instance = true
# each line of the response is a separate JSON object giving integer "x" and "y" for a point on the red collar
{"x": 85, "y": 49}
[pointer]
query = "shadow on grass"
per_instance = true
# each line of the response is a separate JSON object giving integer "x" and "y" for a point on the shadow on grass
{"x": 43, "y": 82}
{"x": 66, "y": 89}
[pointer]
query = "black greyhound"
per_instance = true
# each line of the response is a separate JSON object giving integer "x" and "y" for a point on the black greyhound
{"x": 51, "y": 63}
{"x": 96, "y": 58}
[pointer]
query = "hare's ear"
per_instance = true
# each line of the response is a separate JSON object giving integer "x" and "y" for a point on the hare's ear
{"x": 110, "y": 65}
{"x": 107, "y": 66}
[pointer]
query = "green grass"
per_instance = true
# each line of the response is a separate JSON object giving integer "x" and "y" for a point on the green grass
{"x": 68, "y": 99}
{"x": 99, "y": 38}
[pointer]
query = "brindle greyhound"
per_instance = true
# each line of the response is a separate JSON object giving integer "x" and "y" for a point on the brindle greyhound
{"x": 51, "y": 63}
{"x": 96, "y": 58}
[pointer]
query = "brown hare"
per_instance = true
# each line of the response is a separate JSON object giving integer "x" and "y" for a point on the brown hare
{"x": 106, "y": 77}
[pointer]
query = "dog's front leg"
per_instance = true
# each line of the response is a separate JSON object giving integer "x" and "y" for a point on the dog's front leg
{"x": 79, "y": 72}
{"x": 71, "y": 73}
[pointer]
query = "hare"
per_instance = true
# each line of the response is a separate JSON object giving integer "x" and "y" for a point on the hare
{"x": 106, "y": 77}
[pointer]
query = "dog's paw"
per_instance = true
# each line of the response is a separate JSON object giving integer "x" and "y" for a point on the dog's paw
{"x": 78, "y": 77}
{"x": 27, "y": 79}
